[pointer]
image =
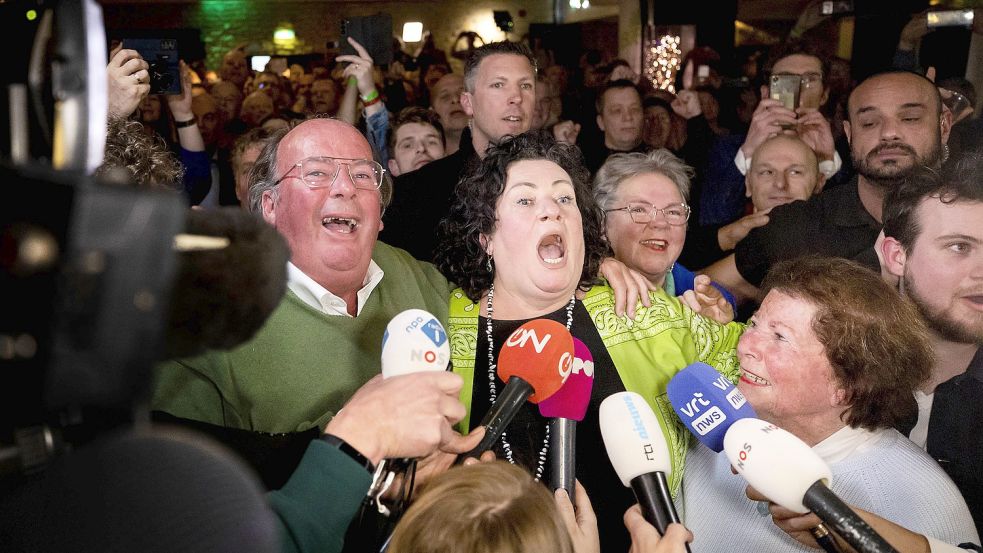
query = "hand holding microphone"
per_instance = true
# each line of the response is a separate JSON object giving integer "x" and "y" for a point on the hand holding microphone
{"x": 638, "y": 451}
{"x": 788, "y": 472}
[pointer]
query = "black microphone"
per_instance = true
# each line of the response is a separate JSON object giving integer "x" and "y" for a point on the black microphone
{"x": 566, "y": 408}
{"x": 533, "y": 363}
{"x": 638, "y": 451}
{"x": 231, "y": 275}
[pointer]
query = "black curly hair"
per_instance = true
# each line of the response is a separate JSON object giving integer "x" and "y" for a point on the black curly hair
{"x": 460, "y": 255}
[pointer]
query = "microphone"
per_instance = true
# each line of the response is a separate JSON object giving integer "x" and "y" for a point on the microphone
{"x": 533, "y": 363}
{"x": 790, "y": 473}
{"x": 231, "y": 275}
{"x": 566, "y": 408}
{"x": 707, "y": 403}
{"x": 414, "y": 341}
{"x": 638, "y": 451}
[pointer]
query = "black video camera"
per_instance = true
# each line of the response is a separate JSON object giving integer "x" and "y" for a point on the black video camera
{"x": 161, "y": 54}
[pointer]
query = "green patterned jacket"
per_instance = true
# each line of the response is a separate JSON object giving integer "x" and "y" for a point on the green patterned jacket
{"x": 647, "y": 352}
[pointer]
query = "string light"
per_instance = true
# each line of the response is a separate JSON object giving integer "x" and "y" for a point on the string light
{"x": 662, "y": 58}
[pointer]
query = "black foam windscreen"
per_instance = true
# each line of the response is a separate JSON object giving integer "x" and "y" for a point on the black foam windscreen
{"x": 153, "y": 492}
{"x": 221, "y": 297}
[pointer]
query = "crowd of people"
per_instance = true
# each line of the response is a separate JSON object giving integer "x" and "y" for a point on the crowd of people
{"x": 827, "y": 257}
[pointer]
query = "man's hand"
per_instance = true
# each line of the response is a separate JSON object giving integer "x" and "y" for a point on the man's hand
{"x": 687, "y": 104}
{"x": 767, "y": 121}
{"x": 581, "y": 522}
{"x": 645, "y": 538}
{"x": 566, "y": 132}
{"x": 629, "y": 286}
{"x": 706, "y": 300}
{"x": 128, "y": 80}
{"x": 403, "y": 416}
{"x": 442, "y": 459}
{"x": 814, "y": 130}
{"x": 729, "y": 235}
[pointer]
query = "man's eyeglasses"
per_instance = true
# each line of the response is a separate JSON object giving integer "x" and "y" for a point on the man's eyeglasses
{"x": 675, "y": 214}
{"x": 809, "y": 79}
{"x": 321, "y": 172}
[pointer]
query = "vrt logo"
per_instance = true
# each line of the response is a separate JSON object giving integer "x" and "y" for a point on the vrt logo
{"x": 692, "y": 407}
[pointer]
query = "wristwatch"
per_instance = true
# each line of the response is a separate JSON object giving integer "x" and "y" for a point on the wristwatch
{"x": 348, "y": 450}
{"x": 188, "y": 123}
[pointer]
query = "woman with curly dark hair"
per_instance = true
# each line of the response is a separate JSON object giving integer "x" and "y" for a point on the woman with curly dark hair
{"x": 523, "y": 239}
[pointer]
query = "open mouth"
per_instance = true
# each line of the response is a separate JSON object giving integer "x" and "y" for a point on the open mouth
{"x": 513, "y": 119}
{"x": 551, "y": 249}
{"x": 343, "y": 225}
{"x": 752, "y": 378}
{"x": 656, "y": 244}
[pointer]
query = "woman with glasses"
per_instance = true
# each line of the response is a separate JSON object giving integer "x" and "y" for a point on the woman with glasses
{"x": 643, "y": 198}
{"x": 523, "y": 239}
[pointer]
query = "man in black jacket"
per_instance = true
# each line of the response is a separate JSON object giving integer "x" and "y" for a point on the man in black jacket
{"x": 499, "y": 97}
{"x": 933, "y": 248}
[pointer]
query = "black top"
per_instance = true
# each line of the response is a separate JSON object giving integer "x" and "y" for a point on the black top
{"x": 833, "y": 223}
{"x": 422, "y": 198}
{"x": 954, "y": 433}
{"x": 609, "y": 497}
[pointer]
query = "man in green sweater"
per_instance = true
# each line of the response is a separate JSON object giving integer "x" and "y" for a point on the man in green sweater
{"x": 320, "y": 187}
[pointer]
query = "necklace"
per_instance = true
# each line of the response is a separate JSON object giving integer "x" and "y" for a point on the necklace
{"x": 493, "y": 392}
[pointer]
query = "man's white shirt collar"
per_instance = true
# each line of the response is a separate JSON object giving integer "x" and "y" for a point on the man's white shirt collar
{"x": 320, "y": 298}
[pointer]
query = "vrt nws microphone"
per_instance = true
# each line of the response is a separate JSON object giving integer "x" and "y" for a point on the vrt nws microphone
{"x": 533, "y": 363}
{"x": 566, "y": 408}
{"x": 707, "y": 403}
{"x": 638, "y": 451}
{"x": 414, "y": 341}
{"x": 790, "y": 473}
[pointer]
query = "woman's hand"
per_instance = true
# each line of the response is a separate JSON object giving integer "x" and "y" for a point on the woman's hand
{"x": 645, "y": 538}
{"x": 629, "y": 286}
{"x": 581, "y": 522}
{"x": 706, "y": 300}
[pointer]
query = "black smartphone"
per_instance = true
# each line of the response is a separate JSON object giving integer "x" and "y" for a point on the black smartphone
{"x": 374, "y": 32}
{"x": 161, "y": 55}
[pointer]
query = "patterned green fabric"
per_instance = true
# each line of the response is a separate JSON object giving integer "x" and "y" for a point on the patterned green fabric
{"x": 647, "y": 352}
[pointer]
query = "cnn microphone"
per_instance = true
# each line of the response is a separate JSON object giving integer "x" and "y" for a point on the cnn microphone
{"x": 565, "y": 409}
{"x": 787, "y": 471}
{"x": 638, "y": 451}
{"x": 414, "y": 341}
{"x": 707, "y": 403}
{"x": 533, "y": 363}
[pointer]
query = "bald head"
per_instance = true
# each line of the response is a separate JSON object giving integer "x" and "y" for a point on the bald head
{"x": 896, "y": 123}
{"x": 784, "y": 169}
{"x": 256, "y": 108}
{"x": 209, "y": 119}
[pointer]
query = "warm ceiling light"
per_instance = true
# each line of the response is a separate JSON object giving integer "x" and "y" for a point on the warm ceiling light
{"x": 412, "y": 31}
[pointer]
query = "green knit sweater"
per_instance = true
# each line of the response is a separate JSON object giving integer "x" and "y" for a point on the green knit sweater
{"x": 303, "y": 365}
